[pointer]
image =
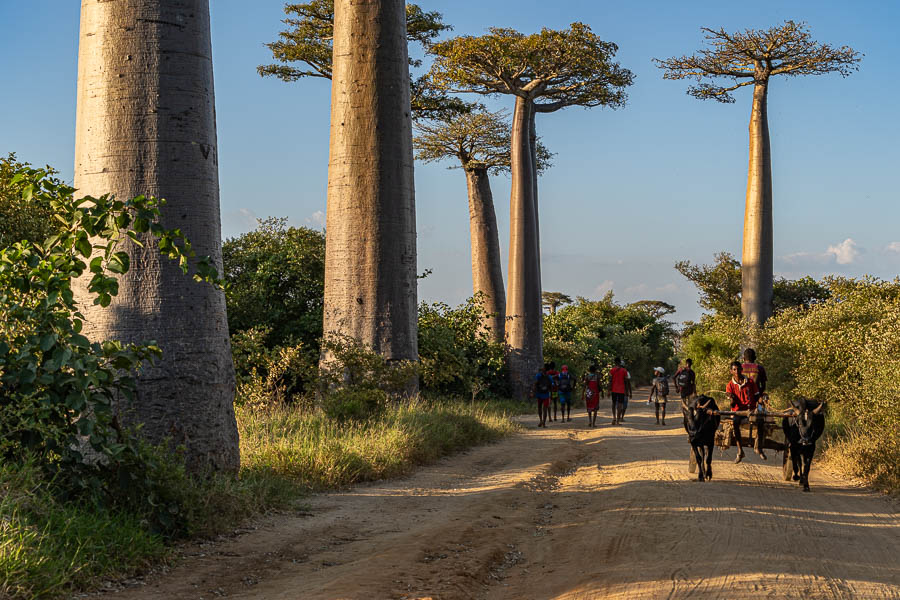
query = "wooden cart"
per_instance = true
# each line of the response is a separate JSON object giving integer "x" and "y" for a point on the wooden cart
{"x": 749, "y": 431}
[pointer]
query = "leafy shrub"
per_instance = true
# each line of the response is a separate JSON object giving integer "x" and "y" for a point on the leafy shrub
{"x": 353, "y": 403}
{"x": 845, "y": 349}
{"x": 457, "y": 356}
{"x": 598, "y": 331}
{"x": 24, "y": 214}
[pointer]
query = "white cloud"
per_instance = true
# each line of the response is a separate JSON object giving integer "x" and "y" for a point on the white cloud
{"x": 893, "y": 247}
{"x": 843, "y": 253}
{"x": 317, "y": 219}
{"x": 668, "y": 288}
{"x": 605, "y": 286}
{"x": 236, "y": 222}
{"x": 846, "y": 252}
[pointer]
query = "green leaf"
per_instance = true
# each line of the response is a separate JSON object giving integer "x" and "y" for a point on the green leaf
{"x": 47, "y": 341}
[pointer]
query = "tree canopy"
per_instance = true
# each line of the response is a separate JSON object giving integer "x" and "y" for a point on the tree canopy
{"x": 479, "y": 139}
{"x": 25, "y": 211}
{"x": 276, "y": 278}
{"x": 553, "y": 300}
{"x": 753, "y": 56}
{"x": 719, "y": 286}
{"x": 564, "y": 67}
{"x": 309, "y": 39}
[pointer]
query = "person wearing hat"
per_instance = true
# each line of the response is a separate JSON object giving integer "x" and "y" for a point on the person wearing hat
{"x": 661, "y": 389}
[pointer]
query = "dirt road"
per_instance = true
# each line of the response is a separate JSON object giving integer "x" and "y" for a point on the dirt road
{"x": 565, "y": 512}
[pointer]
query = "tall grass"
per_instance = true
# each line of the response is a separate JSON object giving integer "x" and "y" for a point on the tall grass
{"x": 320, "y": 453}
{"x": 50, "y": 547}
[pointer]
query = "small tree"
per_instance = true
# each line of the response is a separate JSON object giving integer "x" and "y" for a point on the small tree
{"x": 564, "y": 68}
{"x": 753, "y": 57}
{"x": 309, "y": 41}
{"x": 553, "y": 300}
{"x": 23, "y": 216}
{"x": 479, "y": 141}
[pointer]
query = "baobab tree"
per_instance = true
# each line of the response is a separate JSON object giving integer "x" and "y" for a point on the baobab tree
{"x": 479, "y": 142}
{"x": 370, "y": 250}
{"x": 753, "y": 57}
{"x": 553, "y": 300}
{"x": 568, "y": 67}
{"x": 309, "y": 39}
{"x": 146, "y": 125}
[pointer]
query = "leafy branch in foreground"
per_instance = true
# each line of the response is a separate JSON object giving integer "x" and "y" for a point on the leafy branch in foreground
{"x": 58, "y": 389}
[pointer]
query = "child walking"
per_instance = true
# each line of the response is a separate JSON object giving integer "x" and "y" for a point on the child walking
{"x": 565, "y": 385}
{"x": 590, "y": 393}
{"x": 661, "y": 390}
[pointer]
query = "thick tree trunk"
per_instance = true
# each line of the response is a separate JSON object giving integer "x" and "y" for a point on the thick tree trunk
{"x": 487, "y": 272}
{"x": 532, "y": 140}
{"x": 146, "y": 125}
{"x": 523, "y": 301}
{"x": 370, "y": 252}
{"x": 757, "y": 257}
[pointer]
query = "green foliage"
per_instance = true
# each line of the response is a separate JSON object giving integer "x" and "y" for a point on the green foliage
{"x": 276, "y": 282}
{"x": 58, "y": 390}
{"x": 719, "y": 285}
{"x": 845, "y": 349}
{"x": 571, "y": 67}
{"x": 478, "y": 139}
{"x": 24, "y": 214}
{"x": 353, "y": 403}
{"x": 753, "y": 56}
{"x": 597, "y": 331}
{"x": 456, "y": 354}
{"x": 553, "y": 300}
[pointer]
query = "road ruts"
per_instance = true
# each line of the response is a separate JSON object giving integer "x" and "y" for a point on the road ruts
{"x": 565, "y": 512}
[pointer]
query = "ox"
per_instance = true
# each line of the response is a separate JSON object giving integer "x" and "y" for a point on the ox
{"x": 801, "y": 430}
{"x": 700, "y": 423}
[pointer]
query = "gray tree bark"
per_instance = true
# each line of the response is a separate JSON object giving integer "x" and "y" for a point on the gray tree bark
{"x": 523, "y": 302}
{"x": 487, "y": 271}
{"x": 146, "y": 125}
{"x": 757, "y": 256}
{"x": 370, "y": 252}
{"x": 532, "y": 139}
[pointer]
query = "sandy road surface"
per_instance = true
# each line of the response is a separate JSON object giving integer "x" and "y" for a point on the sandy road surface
{"x": 565, "y": 512}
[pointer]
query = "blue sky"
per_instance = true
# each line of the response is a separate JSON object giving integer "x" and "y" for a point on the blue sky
{"x": 632, "y": 190}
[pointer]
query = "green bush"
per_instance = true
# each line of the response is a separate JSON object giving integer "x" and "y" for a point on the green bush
{"x": 845, "y": 350}
{"x": 353, "y": 403}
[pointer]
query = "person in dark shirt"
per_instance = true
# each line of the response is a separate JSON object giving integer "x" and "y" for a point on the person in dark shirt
{"x": 686, "y": 380}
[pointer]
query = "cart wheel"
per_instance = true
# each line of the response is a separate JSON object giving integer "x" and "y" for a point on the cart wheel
{"x": 787, "y": 466}
{"x": 692, "y": 463}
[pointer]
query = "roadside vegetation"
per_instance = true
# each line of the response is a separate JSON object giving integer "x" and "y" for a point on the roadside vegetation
{"x": 837, "y": 340}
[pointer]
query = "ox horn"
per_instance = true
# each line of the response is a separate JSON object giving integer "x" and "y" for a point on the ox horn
{"x": 819, "y": 408}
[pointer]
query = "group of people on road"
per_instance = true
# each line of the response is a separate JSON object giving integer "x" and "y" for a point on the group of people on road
{"x": 746, "y": 390}
{"x": 554, "y": 388}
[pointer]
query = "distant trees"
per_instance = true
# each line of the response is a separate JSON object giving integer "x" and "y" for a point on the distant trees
{"x": 479, "y": 142}
{"x": 557, "y": 68}
{"x": 753, "y": 57}
{"x": 719, "y": 285}
{"x": 370, "y": 253}
{"x": 23, "y": 217}
{"x": 553, "y": 300}
{"x": 310, "y": 38}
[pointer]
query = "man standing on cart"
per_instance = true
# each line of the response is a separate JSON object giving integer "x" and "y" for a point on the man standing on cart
{"x": 744, "y": 395}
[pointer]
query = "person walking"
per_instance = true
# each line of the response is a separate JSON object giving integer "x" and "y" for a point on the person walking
{"x": 686, "y": 380}
{"x": 660, "y": 388}
{"x": 565, "y": 383}
{"x": 540, "y": 390}
{"x": 591, "y": 393}
{"x": 554, "y": 387}
{"x": 619, "y": 390}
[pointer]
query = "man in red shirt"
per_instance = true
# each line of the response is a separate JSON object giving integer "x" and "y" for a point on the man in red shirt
{"x": 619, "y": 390}
{"x": 743, "y": 393}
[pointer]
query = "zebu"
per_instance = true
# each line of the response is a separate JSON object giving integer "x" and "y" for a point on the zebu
{"x": 801, "y": 430}
{"x": 700, "y": 423}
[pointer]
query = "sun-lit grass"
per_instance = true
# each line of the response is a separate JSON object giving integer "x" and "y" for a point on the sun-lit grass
{"x": 319, "y": 453}
{"x": 50, "y": 547}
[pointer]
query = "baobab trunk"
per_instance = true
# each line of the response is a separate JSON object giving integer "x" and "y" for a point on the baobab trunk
{"x": 487, "y": 272}
{"x": 146, "y": 125}
{"x": 757, "y": 256}
{"x": 532, "y": 140}
{"x": 370, "y": 251}
{"x": 523, "y": 305}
